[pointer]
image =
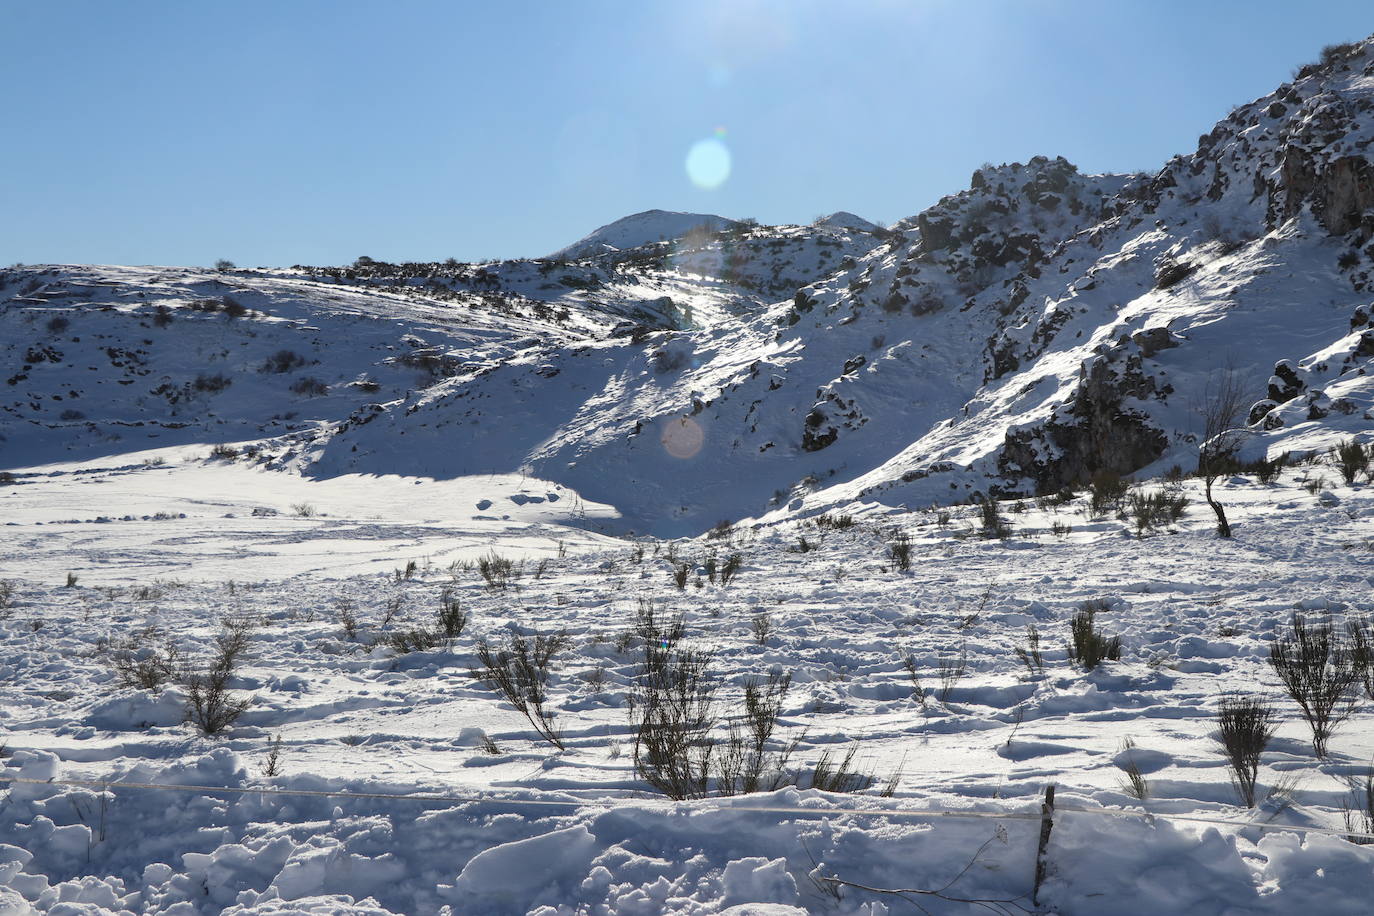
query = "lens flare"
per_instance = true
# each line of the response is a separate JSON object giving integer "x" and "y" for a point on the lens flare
{"x": 708, "y": 162}
{"x": 682, "y": 437}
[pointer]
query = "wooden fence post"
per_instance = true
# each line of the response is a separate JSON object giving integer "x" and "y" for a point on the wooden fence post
{"x": 1046, "y": 825}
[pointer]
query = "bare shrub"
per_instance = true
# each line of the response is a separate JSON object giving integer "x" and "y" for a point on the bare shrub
{"x": 209, "y": 704}
{"x": 499, "y": 572}
{"x": 7, "y": 590}
{"x": 837, "y": 522}
{"x": 1220, "y": 407}
{"x": 223, "y": 452}
{"x": 1133, "y": 782}
{"x": 672, "y": 711}
{"x": 272, "y": 765}
{"x": 347, "y": 619}
{"x": 146, "y": 667}
{"x": 1362, "y": 651}
{"x": 831, "y": 775}
{"x": 1318, "y": 669}
{"x": 1244, "y": 727}
{"x": 452, "y": 618}
{"x": 1359, "y": 808}
{"x": 519, "y": 670}
{"x": 304, "y": 510}
{"x": 414, "y": 639}
{"x": 679, "y": 570}
{"x": 1351, "y": 459}
{"x": 1030, "y": 655}
{"x": 951, "y": 667}
{"x": 914, "y": 672}
{"x": 1155, "y": 510}
{"x": 899, "y": 550}
{"x": 1106, "y": 493}
{"x": 745, "y": 764}
{"x": 730, "y": 567}
{"x": 283, "y": 361}
{"x": 308, "y": 386}
{"x": 992, "y": 525}
{"x": 1087, "y": 647}
{"x": 762, "y": 625}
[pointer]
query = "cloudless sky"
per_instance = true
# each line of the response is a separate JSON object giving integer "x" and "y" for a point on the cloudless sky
{"x": 275, "y": 132}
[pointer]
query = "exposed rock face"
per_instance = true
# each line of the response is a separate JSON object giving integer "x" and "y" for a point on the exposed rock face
{"x": 1285, "y": 384}
{"x": 1098, "y": 430}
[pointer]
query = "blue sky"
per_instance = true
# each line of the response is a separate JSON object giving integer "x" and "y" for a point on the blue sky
{"x": 305, "y": 131}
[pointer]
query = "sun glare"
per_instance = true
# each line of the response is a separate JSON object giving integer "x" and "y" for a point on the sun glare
{"x": 708, "y": 162}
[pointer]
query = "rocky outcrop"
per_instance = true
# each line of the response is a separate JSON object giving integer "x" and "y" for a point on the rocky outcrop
{"x": 1097, "y": 430}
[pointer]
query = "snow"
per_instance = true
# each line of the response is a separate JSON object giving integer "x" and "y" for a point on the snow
{"x": 318, "y": 460}
{"x": 641, "y": 229}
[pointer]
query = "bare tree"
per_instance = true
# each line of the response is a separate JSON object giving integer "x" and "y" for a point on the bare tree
{"x": 1223, "y": 400}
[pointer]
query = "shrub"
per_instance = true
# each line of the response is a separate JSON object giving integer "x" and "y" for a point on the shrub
{"x": 1267, "y": 471}
{"x": 162, "y": 316}
{"x": 309, "y": 387}
{"x": 828, "y": 775}
{"x": 7, "y": 479}
{"x": 1089, "y": 648}
{"x": 1351, "y": 459}
{"x": 224, "y": 452}
{"x": 1359, "y": 808}
{"x": 283, "y": 361}
{"x": 1134, "y": 782}
{"x": 498, "y": 571}
{"x": 224, "y": 264}
{"x": 209, "y": 704}
{"x": 232, "y": 307}
{"x": 7, "y": 589}
{"x": 1244, "y": 727}
{"x": 414, "y": 639}
{"x": 992, "y": 525}
{"x": 519, "y": 670}
{"x": 1362, "y": 651}
{"x": 679, "y": 571}
{"x": 1318, "y": 669}
{"x": 452, "y": 618}
{"x": 745, "y": 765}
{"x": 303, "y": 510}
{"x": 1171, "y": 273}
{"x": 58, "y": 324}
{"x": 762, "y": 625}
{"x": 212, "y": 384}
{"x": 913, "y": 671}
{"x": 1155, "y": 510}
{"x": 899, "y": 549}
{"x": 952, "y": 667}
{"x": 1106, "y": 492}
{"x": 1031, "y": 656}
{"x": 672, "y": 711}
{"x": 731, "y": 566}
{"x": 838, "y": 522}
{"x": 146, "y": 668}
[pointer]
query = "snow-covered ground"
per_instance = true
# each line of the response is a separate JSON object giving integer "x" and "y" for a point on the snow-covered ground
{"x": 347, "y": 482}
{"x": 502, "y": 822}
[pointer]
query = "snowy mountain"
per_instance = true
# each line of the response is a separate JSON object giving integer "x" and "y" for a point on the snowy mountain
{"x": 641, "y": 229}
